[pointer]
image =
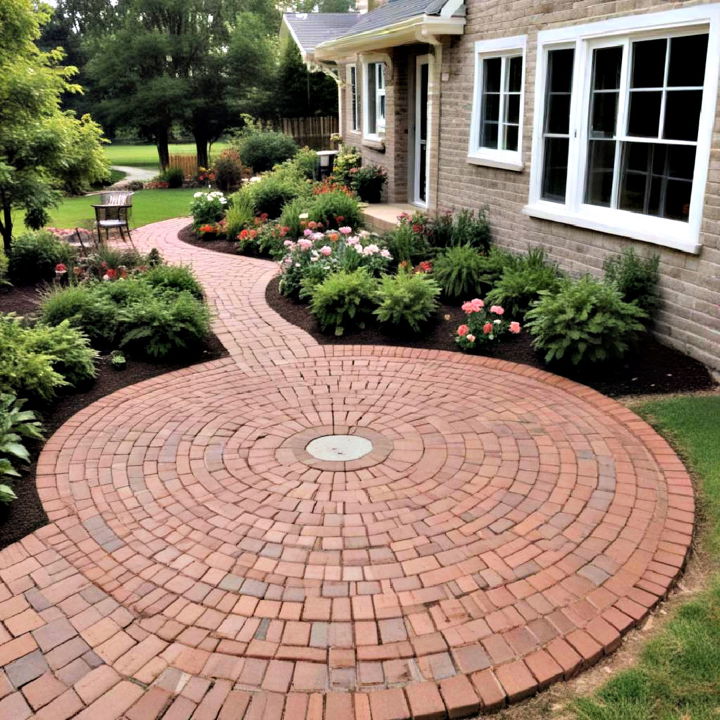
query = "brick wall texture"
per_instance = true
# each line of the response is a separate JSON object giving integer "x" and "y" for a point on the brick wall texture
{"x": 690, "y": 284}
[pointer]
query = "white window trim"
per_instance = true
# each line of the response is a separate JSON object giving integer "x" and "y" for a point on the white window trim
{"x": 484, "y": 49}
{"x": 354, "y": 93}
{"x": 379, "y": 133}
{"x": 675, "y": 234}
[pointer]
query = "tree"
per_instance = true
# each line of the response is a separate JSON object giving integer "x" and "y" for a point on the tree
{"x": 172, "y": 61}
{"x": 301, "y": 93}
{"x": 43, "y": 150}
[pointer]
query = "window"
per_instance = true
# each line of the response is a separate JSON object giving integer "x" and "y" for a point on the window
{"x": 496, "y": 123}
{"x": 374, "y": 99}
{"x": 354, "y": 98}
{"x": 624, "y": 124}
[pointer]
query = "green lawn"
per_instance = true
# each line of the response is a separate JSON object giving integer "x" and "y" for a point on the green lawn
{"x": 148, "y": 206}
{"x": 678, "y": 674}
{"x": 145, "y": 156}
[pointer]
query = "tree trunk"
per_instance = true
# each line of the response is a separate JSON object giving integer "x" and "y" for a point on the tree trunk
{"x": 201, "y": 150}
{"x": 6, "y": 226}
{"x": 163, "y": 148}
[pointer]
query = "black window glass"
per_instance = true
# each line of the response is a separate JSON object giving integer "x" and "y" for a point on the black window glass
{"x": 682, "y": 114}
{"x": 687, "y": 61}
{"x": 644, "y": 116}
{"x": 648, "y": 63}
{"x": 599, "y": 182}
{"x": 555, "y": 170}
{"x": 514, "y": 72}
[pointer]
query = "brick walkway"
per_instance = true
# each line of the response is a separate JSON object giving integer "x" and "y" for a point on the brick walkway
{"x": 507, "y": 528}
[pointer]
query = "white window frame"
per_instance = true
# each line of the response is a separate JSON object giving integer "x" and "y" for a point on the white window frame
{"x": 583, "y": 39}
{"x": 377, "y": 90}
{"x": 353, "y": 85}
{"x": 504, "y": 48}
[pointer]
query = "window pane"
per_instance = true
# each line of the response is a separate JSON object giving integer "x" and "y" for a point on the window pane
{"x": 371, "y": 126}
{"x": 606, "y": 70}
{"x": 512, "y": 108}
{"x": 489, "y": 135}
{"x": 514, "y": 74}
{"x": 687, "y": 61}
{"x": 555, "y": 170}
{"x": 649, "y": 184}
{"x": 511, "y": 137}
{"x": 601, "y": 161}
{"x": 682, "y": 114}
{"x": 644, "y": 118}
{"x": 491, "y": 107}
{"x": 648, "y": 65}
{"x": 603, "y": 114}
{"x": 491, "y": 74}
{"x": 560, "y": 70}
{"x": 558, "y": 114}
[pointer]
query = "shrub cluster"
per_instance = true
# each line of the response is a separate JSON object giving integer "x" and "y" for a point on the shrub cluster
{"x": 17, "y": 427}
{"x": 263, "y": 149}
{"x": 34, "y": 256}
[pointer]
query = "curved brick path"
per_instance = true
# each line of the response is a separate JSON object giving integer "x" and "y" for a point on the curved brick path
{"x": 506, "y": 529}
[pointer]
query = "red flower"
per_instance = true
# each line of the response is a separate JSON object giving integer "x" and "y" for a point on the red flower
{"x": 61, "y": 268}
{"x": 207, "y": 228}
{"x": 425, "y": 266}
{"x": 284, "y": 231}
{"x": 112, "y": 274}
{"x": 340, "y": 218}
{"x": 417, "y": 228}
{"x": 487, "y": 328}
{"x": 264, "y": 216}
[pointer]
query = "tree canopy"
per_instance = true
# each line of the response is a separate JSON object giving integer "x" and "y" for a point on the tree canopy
{"x": 43, "y": 149}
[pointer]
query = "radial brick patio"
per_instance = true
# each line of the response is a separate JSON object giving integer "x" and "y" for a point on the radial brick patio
{"x": 507, "y": 527}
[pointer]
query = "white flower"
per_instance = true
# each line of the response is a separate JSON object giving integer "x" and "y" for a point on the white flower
{"x": 303, "y": 216}
{"x": 198, "y": 194}
{"x": 371, "y": 250}
{"x": 386, "y": 253}
{"x": 496, "y": 322}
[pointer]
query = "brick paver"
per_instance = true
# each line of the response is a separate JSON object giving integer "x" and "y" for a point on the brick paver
{"x": 507, "y": 528}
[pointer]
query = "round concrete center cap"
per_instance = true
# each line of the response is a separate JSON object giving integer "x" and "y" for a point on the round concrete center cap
{"x": 339, "y": 447}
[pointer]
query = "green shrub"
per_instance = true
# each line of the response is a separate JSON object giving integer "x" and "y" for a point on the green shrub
{"x": 173, "y": 176}
{"x": 16, "y": 427}
{"x": 164, "y": 324}
{"x": 636, "y": 279}
{"x": 174, "y": 277}
{"x": 585, "y": 322}
{"x": 335, "y": 209}
{"x": 522, "y": 282}
{"x": 305, "y": 163}
{"x": 207, "y": 208}
{"x": 344, "y": 300}
{"x": 34, "y": 359}
{"x": 494, "y": 265}
{"x": 83, "y": 308}
{"x": 348, "y": 158}
{"x": 272, "y": 192}
{"x": 3, "y": 269}
{"x": 261, "y": 150}
{"x": 228, "y": 170}
{"x": 368, "y": 182}
{"x": 34, "y": 255}
{"x": 470, "y": 228}
{"x": 69, "y": 347}
{"x": 240, "y": 213}
{"x": 459, "y": 271}
{"x": 406, "y": 300}
{"x": 407, "y": 245}
{"x": 290, "y": 217}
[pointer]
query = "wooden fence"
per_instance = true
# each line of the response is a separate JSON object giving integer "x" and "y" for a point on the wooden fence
{"x": 314, "y": 132}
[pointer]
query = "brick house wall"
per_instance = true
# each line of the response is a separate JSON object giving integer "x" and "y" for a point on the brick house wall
{"x": 690, "y": 284}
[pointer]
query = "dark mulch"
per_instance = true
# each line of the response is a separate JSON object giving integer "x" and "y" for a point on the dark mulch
{"x": 651, "y": 368}
{"x": 21, "y": 517}
{"x": 187, "y": 234}
{"x": 21, "y": 300}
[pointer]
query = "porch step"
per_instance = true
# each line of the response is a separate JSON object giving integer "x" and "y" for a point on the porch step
{"x": 382, "y": 217}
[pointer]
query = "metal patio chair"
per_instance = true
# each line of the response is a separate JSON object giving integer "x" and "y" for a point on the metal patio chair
{"x": 113, "y": 213}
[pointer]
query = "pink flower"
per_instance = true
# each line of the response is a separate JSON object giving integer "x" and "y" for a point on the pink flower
{"x": 463, "y": 330}
{"x": 325, "y": 250}
{"x": 487, "y": 328}
{"x": 307, "y": 232}
{"x": 473, "y": 306}
{"x": 345, "y": 230}
{"x": 470, "y": 337}
{"x": 304, "y": 244}
{"x": 497, "y": 310}
{"x": 515, "y": 327}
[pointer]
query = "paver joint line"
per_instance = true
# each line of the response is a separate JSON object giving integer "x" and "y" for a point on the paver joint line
{"x": 474, "y": 531}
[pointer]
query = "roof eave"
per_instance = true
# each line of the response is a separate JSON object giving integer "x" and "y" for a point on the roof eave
{"x": 401, "y": 33}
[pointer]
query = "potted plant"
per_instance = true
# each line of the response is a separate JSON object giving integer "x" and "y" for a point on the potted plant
{"x": 368, "y": 182}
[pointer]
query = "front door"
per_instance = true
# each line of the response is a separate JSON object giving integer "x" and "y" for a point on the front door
{"x": 420, "y": 172}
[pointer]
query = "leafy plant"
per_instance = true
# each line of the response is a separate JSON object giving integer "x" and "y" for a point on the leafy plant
{"x": 173, "y": 176}
{"x": 348, "y": 158}
{"x": 636, "y": 279}
{"x": 334, "y": 210}
{"x": 228, "y": 170}
{"x": 294, "y": 217}
{"x": 470, "y": 228}
{"x": 459, "y": 271}
{"x": 406, "y": 300}
{"x": 117, "y": 360}
{"x": 207, "y": 208}
{"x": 16, "y": 427}
{"x": 522, "y": 282}
{"x": 174, "y": 277}
{"x": 494, "y": 265}
{"x": 33, "y": 360}
{"x": 344, "y": 300}
{"x": 407, "y": 244}
{"x": 263, "y": 149}
{"x": 585, "y": 322}
{"x": 164, "y": 324}
{"x": 368, "y": 182}
{"x": 240, "y": 213}
{"x": 272, "y": 192}
{"x": 3, "y": 268}
{"x": 34, "y": 256}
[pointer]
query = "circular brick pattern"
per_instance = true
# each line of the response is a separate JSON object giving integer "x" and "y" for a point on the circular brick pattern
{"x": 339, "y": 448}
{"x": 504, "y": 529}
